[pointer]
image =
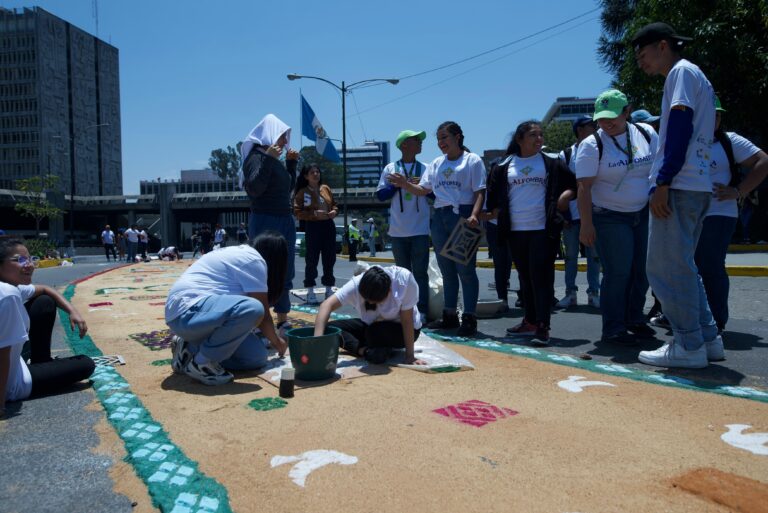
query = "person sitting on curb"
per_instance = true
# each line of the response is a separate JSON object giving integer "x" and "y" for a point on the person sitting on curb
{"x": 213, "y": 308}
{"x": 27, "y": 316}
{"x": 385, "y": 300}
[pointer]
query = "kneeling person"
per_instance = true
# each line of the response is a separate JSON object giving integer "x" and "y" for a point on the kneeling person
{"x": 385, "y": 299}
{"x": 214, "y": 307}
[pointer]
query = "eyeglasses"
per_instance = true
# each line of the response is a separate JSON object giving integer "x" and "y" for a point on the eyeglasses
{"x": 24, "y": 260}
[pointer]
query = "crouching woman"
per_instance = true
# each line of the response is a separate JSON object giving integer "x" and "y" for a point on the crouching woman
{"x": 385, "y": 300}
{"x": 214, "y": 307}
{"x": 27, "y": 317}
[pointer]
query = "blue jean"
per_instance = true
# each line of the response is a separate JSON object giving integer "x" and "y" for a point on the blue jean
{"x": 285, "y": 226}
{"x": 572, "y": 246}
{"x": 622, "y": 243}
{"x": 710, "y": 260}
{"x": 220, "y": 328}
{"x": 413, "y": 254}
{"x": 442, "y": 224}
{"x": 133, "y": 247}
{"x": 502, "y": 260}
{"x": 672, "y": 271}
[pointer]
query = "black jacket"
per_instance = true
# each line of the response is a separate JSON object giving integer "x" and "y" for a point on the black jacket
{"x": 269, "y": 183}
{"x": 558, "y": 179}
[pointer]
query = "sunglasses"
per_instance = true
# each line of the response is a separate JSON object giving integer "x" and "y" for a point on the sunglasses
{"x": 24, "y": 260}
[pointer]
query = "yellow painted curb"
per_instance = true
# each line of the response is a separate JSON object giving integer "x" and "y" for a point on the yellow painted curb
{"x": 54, "y": 262}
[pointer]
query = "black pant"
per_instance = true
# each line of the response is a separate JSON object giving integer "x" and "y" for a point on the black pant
{"x": 321, "y": 240}
{"x": 110, "y": 248}
{"x": 502, "y": 260}
{"x": 49, "y": 376}
{"x": 143, "y": 250}
{"x": 534, "y": 255}
{"x": 355, "y": 334}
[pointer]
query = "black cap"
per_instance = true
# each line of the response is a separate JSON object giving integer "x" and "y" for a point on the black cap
{"x": 581, "y": 121}
{"x": 654, "y": 32}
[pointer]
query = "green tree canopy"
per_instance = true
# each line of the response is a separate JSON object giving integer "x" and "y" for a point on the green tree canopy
{"x": 226, "y": 162}
{"x": 558, "y": 135}
{"x": 35, "y": 204}
{"x": 332, "y": 171}
{"x": 730, "y": 44}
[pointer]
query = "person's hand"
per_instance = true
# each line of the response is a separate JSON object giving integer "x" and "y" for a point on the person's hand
{"x": 412, "y": 360}
{"x": 332, "y": 214}
{"x": 292, "y": 154}
{"x": 473, "y": 222}
{"x": 725, "y": 192}
{"x": 397, "y": 179}
{"x": 587, "y": 234}
{"x": 275, "y": 151}
{"x": 414, "y": 180}
{"x": 659, "y": 202}
{"x": 75, "y": 319}
{"x": 280, "y": 345}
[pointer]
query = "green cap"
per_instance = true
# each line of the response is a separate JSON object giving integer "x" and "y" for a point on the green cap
{"x": 405, "y": 134}
{"x": 718, "y": 105}
{"x": 610, "y": 104}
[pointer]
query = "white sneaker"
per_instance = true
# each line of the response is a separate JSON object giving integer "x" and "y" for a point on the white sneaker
{"x": 311, "y": 297}
{"x": 715, "y": 350}
{"x": 328, "y": 292}
{"x": 211, "y": 373}
{"x": 593, "y": 300}
{"x": 673, "y": 355}
{"x": 568, "y": 301}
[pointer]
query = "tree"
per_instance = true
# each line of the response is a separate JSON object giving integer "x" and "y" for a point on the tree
{"x": 558, "y": 135}
{"x": 35, "y": 204}
{"x": 226, "y": 162}
{"x": 333, "y": 172}
{"x": 730, "y": 44}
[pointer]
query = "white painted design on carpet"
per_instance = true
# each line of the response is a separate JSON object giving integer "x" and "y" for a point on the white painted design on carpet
{"x": 309, "y": 461}
{"x": 575, "y": 384}
{"x": 756, "y": 443}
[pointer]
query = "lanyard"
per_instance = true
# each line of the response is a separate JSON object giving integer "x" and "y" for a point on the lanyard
{"x": 628, "y": 153}
{"x": 407, "y": 174}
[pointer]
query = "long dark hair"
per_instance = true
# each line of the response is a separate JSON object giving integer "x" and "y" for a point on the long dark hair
{"x": 522, "y": 128}
{"x": 453, "y": 128}
{"x": 374, "y": 286}
{"x": 274, "y": 250}
{"x": 301, "y": 180}
{"x": 7, "y": 246}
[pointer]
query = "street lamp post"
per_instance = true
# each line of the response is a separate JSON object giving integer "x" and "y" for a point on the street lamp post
{"x": 72, "y": 160}
{"x": 344, "y": 88}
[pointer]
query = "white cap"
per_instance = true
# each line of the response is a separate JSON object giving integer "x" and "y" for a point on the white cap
{"x": 370, "y": 220}
{"x": 287, "y": 373}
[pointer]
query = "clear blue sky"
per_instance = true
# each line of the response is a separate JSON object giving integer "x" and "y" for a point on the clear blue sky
{"x": 197, "y": 75}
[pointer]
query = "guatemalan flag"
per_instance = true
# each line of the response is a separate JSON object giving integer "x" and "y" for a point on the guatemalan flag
{"x": 314, "y": 131}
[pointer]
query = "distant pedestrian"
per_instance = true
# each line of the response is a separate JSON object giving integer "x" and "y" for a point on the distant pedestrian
{"x": 220, "y": 236}
{"x": 143, "y": 244}
{"x": 206, "y": 239}
{"x": 242, "y": 234}
{"x": 121, "y": 243}
{"x": 269, "y": 183}
{"x": 679, "y": 199}
{"x": 370, "y": 234}
{"x": 457, "y": 179}
{"x": 408, "y": 213}
{"x": 313, "y": 203}
{"x": 108, "y": 239}
{"x": 132, "y": 234}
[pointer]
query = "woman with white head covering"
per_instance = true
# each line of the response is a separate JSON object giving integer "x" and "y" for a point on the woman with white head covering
{"x": 269, "y": 182}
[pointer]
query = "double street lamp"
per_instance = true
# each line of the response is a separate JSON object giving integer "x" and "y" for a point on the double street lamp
{"x": 344, "y": 88}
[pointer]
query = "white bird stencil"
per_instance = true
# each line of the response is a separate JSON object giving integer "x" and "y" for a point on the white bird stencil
{"x": 575, "y": 385}
{"x": 756, "y": 443}
{"x": 310, "y": 461}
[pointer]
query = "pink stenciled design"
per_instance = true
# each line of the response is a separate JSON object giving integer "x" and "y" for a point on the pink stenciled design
{"x": 475, "y": 413}
{"x": 96, "y": 305}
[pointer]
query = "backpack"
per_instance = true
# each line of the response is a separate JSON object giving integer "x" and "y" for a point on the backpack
{"x": 599, "y": 140}
{"x": 567, "y": 154}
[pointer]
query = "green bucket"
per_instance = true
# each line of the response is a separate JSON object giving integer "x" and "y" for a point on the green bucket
{"x": 314, "y": 358}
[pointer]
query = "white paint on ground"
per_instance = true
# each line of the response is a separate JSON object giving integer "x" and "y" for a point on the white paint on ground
{"x": 575, "y": 384}
{"x": 307, "y": 462}
{"x": 756, "y": 443}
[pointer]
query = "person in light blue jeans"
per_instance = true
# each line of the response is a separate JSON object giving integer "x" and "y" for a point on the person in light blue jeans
{"x": 572, "y": 247}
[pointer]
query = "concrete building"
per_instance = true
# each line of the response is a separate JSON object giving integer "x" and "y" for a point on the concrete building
{"x": 569, "y": 108}
{"x": 365, "y": 163}
{"x": 59, "y": 104}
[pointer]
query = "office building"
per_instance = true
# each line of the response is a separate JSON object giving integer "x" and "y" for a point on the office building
{"x": 365, "y": 163}
{"x": 569, "y": 108}
{"x": 59, "y": 104}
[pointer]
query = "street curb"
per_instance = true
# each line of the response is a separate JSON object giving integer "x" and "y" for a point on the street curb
{"x": 757, "y": 271}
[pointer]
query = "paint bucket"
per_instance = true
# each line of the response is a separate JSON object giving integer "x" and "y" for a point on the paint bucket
{"x": 314, "y": 358}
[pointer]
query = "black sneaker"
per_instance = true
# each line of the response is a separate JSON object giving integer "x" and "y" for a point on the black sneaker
{"x": 621, "y": 338}
{"x": 377, "y": 355}
{"x": 541, "y": 337}
{"x": 641, "y": 330}
{"x": 468, "y": 325}
{"x": 181, "y": 354}
{"x": 448, "y": 322}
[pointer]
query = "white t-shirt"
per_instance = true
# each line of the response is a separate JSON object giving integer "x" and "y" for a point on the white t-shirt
{"x": 219, "y": 235}
{"x": 573, "y": 204}
{"x": 454, "y": 182}
{"x": 686, "y": 85}
{"x": 108, "y": 237}
{"x": 404, "y": 296}
{"x": 743, "y": 149}
{"x": 143, "y": 236}
{"x": 615, "y": 187}
{"x": 527, "y": 179}
{"x": 14, "y": 331}
{"x": 133, "y": 235}
{"x": 414, "y": 218}
{"x": 234, "y": 270}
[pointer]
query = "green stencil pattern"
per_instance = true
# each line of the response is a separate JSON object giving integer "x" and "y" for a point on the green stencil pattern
{"x": 268, "y": 403}
{"x": 160, "y": 363}
{"x": 174, "y": 481}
